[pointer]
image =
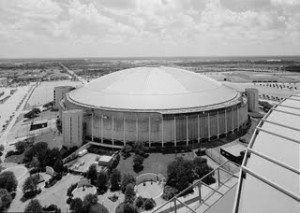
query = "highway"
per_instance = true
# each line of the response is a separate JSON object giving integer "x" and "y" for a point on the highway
{"x": 73, "y": 74}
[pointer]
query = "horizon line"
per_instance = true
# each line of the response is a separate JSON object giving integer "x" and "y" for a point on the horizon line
{"x": 142, "y": 57}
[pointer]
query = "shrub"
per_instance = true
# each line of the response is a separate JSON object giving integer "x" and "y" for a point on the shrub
{"x": 115, "y": 162}
{"x": 169, "y": 192}
{"x": 138, "y": 163}
{"x": 139, "y": 202}
{"x": 71, "y": 188}
{"x": 37, "y": 170}
{"x": 69, "y": 200}
{"x": 127, "y": 179}
{"x": 126, "y": 151}
{"x": 115, "y": 178}
{"x": 9, "y": 153}
{"x": 66, "y": 152}
{"x": 149, "y": 204}
{"x": 21, "y": 146}
{"x": 8, "y": 181}
{"x": 102, "y": 182}
{"x": 129, "y": 193}
{"x": 51, "y": 208}
{"x": 5, "y": 199}
{"x": 33, "y": 206}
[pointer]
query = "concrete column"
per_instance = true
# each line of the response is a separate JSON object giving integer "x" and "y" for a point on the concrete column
{"x": 208, "y": 123}
{"x": 218, "y": 177}
{"x": 218, "y": 128}
{"x": 232, "y": 127}
{"x": 149, "y": 130}
{"x": 225, "y": 122}
{"x": 162, "y": 131}
{"x": 238, "y": 116}
{"x": 199, "y": 191}
{"x": 175, "y": 141}
{"x": 101, "y": 128}
{"x": 136, "y": 129}
{"x": 175, "y": 206}
{"x": 92, "y": 125}
{"x": 124, "y": 127}
{"x": 198, "y": 120}
{"x": 187, "y": 129}
{"x": 112, "y": 130}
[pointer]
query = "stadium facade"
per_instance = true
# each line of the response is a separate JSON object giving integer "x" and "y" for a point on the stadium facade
{"x": 160, "y": 106}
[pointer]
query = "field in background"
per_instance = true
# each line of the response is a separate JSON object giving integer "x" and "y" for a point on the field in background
{"x": 44, "y": 92}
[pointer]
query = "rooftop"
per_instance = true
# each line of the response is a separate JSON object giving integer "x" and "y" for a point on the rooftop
{"x": 235, "y": 150}
{"x": 153, "y": 88}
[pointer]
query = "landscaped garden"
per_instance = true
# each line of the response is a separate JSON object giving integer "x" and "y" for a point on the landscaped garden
{"x": 118, "y": 188}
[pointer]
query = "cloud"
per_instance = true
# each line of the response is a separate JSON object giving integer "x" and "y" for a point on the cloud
{"x": 136, "y": 27}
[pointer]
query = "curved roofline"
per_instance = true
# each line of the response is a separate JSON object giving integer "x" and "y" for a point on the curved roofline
{"x": 154, "y": 89}
{"x": 234, "y": 101}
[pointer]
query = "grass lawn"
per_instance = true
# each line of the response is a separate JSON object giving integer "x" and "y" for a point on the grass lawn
{"x": 15, "y": 159}
{"x": 52, "y": 138}
{"x": 156, "y": 163}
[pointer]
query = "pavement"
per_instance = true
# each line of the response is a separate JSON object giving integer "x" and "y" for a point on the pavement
{"x": 10, "y": 108}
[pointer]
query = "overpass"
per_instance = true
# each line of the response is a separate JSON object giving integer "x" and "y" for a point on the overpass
{"x": 73, "y": 74}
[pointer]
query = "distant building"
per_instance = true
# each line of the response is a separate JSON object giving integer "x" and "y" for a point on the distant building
{"x": 59, "y": 93}
{"x": 3, "y": 81}
{"x": 72, "y": 128}
{"x": 252, "y": 95}
{"x": 105, "y": 160}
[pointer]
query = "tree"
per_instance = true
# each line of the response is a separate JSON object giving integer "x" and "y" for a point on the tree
{"x": 115, "y": 179}
{"x": 169, "y": 192}
{"x": 139, "y": 149}
{"x": 76, "y": 205}
{"x": 180, "y": 173}
{"x": 138, "y": 163}
{"x": 92, "y": 173}
{"x": 34, "y": 162}
{"x": 127, "y": 178}
{"x": 28, "y": 155}
{"x": 8, "y": 181}
{"x": 20, "y": 147}
{"x": 102, "y": 181}
{"x": 58, "y": 166}
{"x": 149, "y": 204}
{"x": 89, "y": 200}
{"x": 29, "y": 187}
{"x": 201, "y": 169}
{"x": 129, "y": 193}
{"x": 5, "y": 199}
{"x": 34, "y": 206}
{"x": 52, "y": 208}
{"x": 129, "y": 208}
{"x": 139, "y": 202}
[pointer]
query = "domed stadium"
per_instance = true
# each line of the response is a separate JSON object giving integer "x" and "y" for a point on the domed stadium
{"x": 160, "y": 106}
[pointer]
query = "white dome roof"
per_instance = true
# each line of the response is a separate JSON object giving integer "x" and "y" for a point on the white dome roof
{"x": 152, "y": 88}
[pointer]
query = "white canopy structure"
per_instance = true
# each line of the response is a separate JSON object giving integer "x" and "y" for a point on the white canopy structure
{"x": 270, "y": 174}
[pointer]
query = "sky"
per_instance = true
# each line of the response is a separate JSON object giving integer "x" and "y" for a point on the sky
{"x": 130, "y": 28}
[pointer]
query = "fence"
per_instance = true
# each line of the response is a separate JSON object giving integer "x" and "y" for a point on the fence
{"x": 196, "y": 201}
{"x": 149, "y": 177}
{"x": 216, "y": 156}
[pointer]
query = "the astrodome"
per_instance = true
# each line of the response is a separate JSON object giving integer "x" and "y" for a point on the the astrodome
{"x": 160, "y": 106}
